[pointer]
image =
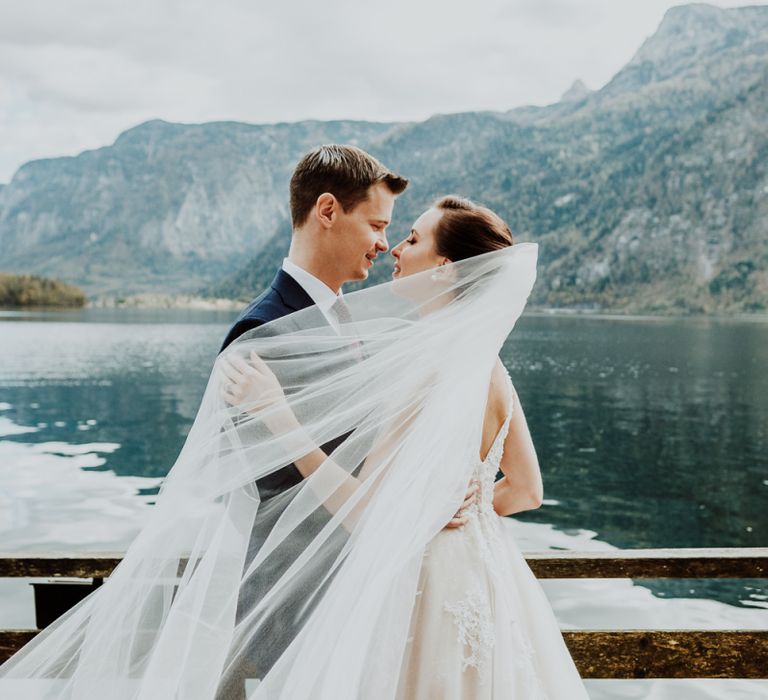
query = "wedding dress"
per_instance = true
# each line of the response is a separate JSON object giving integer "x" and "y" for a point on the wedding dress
{"x": 309, "y": 594}
{"x": 481, "y": 627}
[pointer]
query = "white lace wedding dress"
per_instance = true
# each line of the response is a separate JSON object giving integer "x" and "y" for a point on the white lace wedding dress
{"x": 481, "y": 625}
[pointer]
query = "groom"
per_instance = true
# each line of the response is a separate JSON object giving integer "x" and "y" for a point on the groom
{"x": 341, "y": 204}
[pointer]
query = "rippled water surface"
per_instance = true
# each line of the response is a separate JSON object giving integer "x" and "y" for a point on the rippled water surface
{"x": 651, "y": 432}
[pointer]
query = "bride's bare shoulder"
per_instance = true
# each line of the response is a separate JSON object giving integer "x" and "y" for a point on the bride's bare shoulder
{"x": 499, "y": 389}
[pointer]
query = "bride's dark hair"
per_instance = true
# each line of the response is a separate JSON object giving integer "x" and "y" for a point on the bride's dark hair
{"x": 466, "y": 229}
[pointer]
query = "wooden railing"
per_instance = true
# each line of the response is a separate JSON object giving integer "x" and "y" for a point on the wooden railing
{"x": 682, "y": 653}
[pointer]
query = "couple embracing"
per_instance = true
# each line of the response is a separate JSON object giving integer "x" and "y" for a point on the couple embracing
{"x": 333, "y": 526}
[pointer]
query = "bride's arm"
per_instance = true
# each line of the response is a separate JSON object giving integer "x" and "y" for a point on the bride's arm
{"x": 521, "y": 487}
{"x": 244, "y": 380}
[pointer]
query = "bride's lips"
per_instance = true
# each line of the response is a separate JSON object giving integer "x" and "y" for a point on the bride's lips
{"x": 396, "y": 270}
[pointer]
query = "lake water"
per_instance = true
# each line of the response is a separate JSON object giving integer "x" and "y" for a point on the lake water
{"x": 651, "y": 432}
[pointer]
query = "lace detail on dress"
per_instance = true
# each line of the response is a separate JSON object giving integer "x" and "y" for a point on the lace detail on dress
{"x": 463, "y": 617}
{"x": 474, "y": 619}
{"x": 486, "y": 470}
{"x": 473, "y": 615}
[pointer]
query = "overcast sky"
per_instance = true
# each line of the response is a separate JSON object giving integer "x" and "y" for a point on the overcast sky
{"x": 75, "y": 73}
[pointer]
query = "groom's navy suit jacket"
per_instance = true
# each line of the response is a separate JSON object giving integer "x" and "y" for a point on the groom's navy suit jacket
{"x": 283, "y": 296}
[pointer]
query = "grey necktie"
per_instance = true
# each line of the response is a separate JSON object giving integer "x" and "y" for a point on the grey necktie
{"x": 341, "y": 310}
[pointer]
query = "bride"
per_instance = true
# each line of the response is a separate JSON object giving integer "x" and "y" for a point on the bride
{"x": 479, "y": 615}
{"x": 347, "y": 585}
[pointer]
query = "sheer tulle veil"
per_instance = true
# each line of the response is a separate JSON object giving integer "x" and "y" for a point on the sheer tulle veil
{"x": 311, "y": 590}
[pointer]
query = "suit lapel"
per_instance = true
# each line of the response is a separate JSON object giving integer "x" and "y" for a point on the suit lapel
{"x": 291, "y": 292}
{"x": 296, "y": 298}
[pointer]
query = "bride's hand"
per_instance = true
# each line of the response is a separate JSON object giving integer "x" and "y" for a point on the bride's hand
{"x": 250, "y": 384}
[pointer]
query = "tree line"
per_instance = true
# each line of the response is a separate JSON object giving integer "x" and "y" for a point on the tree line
{"x": 31, "y": 290}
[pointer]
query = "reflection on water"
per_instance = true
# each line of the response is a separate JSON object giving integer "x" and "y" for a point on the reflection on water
{"x": 650, "y": 432}
{"x": 136, "y": 384}
{"x": 56, "y": 497}
{"x": 653, "y": 432}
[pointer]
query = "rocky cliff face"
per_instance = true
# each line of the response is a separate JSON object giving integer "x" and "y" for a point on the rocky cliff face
{"x": 167, "y": 206}
{"x": 648, "y": 194}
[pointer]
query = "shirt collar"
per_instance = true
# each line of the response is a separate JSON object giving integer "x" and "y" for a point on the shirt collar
{"x": 320, "y": 292}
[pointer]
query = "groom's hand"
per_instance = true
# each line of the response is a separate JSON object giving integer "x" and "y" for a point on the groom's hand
{"x": 460, "y": 518}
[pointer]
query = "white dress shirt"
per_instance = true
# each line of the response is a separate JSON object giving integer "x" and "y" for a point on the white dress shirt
{"x": 319, "y": 292}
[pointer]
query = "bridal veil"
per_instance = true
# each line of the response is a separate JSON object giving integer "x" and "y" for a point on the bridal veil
{"x": 311, "y": 589}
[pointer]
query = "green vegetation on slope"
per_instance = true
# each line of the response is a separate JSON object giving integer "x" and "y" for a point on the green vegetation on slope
{"x": 30, "y": 290}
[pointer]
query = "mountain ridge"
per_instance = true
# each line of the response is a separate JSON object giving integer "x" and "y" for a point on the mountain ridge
{"x": 669, "y": 151}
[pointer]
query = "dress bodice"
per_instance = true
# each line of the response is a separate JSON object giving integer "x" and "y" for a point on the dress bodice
{"x": 486, "y": 469}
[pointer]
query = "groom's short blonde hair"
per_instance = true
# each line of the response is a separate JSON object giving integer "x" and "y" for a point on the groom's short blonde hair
{"x": 347, "y": 172}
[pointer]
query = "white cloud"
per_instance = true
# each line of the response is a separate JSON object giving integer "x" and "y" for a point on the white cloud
{"x": 74, "y": 75}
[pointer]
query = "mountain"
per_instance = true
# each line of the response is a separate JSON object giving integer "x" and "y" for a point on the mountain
{"x": 577, "y": 91}
{"x": 649, "y": 194}
{"x": 166, "y": 207}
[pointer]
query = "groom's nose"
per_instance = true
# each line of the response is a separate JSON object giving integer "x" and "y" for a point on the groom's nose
{"x": 382, "y": 244}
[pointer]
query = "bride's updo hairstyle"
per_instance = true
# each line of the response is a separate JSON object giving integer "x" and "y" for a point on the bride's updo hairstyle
{"x": 466, "y": 229}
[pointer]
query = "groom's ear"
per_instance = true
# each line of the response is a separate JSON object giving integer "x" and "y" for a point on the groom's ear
{"x": 326, "y": 207}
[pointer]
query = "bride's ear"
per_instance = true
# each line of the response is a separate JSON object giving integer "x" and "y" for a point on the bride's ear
{"x": 440, "y": 273}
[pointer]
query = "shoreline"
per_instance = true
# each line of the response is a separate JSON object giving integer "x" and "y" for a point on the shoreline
{"x": 152, "y": 301}
{"x": 620, "y": 314}
{"x": 155, "y": 300}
